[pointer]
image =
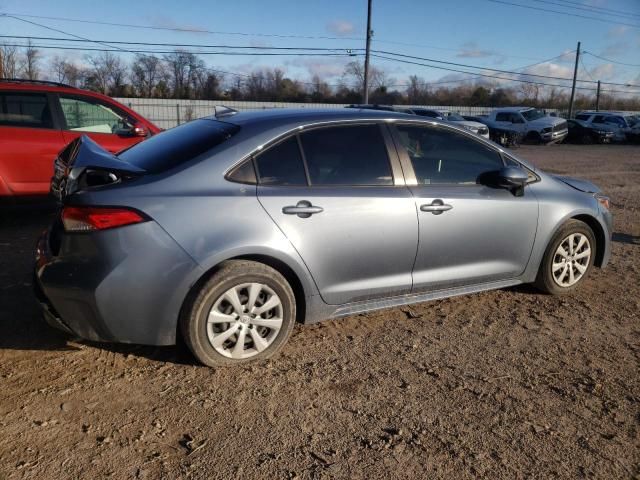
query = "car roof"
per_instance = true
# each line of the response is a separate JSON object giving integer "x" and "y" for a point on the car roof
{"x": 42, "y": 86}
{"x": 310, "y": 115}
{"x": 514, "y": 109}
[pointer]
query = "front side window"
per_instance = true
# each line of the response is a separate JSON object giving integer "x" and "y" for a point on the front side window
{"x": 441, "y": 156}
{"x": 89, "y": 116}
{"x": 347, "y": 155}
{"x": 281, "y": 164}
{"x": 516, "y": 118}
{"x": 25, "y": 110}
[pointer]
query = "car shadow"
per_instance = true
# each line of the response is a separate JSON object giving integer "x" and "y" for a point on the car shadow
{"x": 22, "y": 326}
{"x": 626, "y": 238}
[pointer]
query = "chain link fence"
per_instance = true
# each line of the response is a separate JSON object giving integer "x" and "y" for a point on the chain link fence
{"x": 167, "y": 113}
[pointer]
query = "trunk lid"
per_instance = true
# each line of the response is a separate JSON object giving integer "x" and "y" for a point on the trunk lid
{"x": 84, "y": 163}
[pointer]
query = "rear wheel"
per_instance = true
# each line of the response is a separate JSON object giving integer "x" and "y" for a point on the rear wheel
{"x": 244, "y": 312}
{"x": 587, "y": 139}
{"x": 568, "y": 258}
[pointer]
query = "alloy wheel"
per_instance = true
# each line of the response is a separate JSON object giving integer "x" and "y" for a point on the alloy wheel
{"x": 245, "y": 320}
{"x": 571, "y": 260}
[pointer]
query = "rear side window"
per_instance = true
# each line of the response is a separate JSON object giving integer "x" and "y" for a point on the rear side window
{"x": 178, "y": 145}
{"x": 281, "y": 164}
{"x": 442, "y": 156}
{"x": 347, "y": 155}
{"x": 503, "y": 117}
{"x": 583, "y": 116}
{"x": 25, "y": 110}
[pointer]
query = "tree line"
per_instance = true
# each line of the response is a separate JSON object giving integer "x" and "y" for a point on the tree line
{"x": 184, "y": 75}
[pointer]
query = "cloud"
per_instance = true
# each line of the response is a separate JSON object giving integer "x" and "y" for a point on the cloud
{"x": 324, "y": 68}
{"x": 550, "y": 69}
{"x": 605, "y": 71}
{"x": 616, "y": 48}
{"x": 472, "y": 50}
{"x": 618, "y": 31}
{"x": 162, "y": 21}
{"x": 341, "y": 27}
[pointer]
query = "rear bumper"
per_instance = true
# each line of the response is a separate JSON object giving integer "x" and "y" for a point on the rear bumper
{"x": 123, "y": 285}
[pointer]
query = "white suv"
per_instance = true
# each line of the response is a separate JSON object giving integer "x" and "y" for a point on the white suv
{"x": 476, "y": 127}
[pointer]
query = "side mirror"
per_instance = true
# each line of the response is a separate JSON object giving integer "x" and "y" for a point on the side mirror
{"x": 138, "y": 130}
{"x": 511, "y": 178}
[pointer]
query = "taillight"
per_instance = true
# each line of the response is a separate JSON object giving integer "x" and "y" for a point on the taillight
{"x": 88, "y": 219}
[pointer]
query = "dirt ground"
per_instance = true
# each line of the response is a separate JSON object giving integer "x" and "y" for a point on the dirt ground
{"x": 504, "y": 384}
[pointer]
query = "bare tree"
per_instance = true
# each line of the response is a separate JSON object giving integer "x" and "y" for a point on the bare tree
{"x": 378, "y": 78}
{"x": 65, "y": 71}
{"x": 146, "y": 72}
{"x": 30, "y": 62}
{"x": 8, "y": 62}
{"x": 417, "y": 91}
{"x": 183, "y": 67}
{"x": 106, "y": 74}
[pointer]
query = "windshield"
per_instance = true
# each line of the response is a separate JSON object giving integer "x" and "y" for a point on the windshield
{"x": 178, "y": 145}
{"x": 453, "y": 117}
{"x": 533, "y": 114}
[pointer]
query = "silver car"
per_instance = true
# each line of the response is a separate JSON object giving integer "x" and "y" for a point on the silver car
{"x": 228, "y": 230}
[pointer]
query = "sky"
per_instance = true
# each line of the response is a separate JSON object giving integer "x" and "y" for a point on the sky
{"x": 488, "y": 33}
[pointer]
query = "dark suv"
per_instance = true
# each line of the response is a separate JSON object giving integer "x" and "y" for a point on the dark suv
{"x": 37, "y": 119}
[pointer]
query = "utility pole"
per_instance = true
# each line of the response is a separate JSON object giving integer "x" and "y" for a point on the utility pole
{"x": 598, "y": 97}
{"x": 366, "y": 57}
{"x": 573, "y": 87}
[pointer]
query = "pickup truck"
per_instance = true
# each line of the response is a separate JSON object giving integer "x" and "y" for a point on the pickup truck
{"x": 532, "y": 123}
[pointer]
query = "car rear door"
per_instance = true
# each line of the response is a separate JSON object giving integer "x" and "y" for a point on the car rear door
{"x": 29, "y": 140}
{"x": 338, "y": 194}
{"x": 468, "y": 233}
{"x": 104, "y": 123}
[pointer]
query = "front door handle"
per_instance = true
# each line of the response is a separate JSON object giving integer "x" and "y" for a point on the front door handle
{"x": 303, "y": 209}
{"x": 436, "y": 207}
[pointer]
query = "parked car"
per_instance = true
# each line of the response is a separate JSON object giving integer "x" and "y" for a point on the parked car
{"x": 533, "y": 123}
{"x": 624, "y": 125}
{"x": 583, "y": 132}
{"x": 229, "y": 230}
{"x": 373, "y": 106}
{"x": 448, "y": 116}
{"x": 37, "y": 119}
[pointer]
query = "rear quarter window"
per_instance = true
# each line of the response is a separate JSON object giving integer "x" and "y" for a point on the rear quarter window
{"x": 178, "y": 145}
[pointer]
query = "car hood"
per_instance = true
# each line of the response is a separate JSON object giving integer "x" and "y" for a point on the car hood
{"x": 547, "y": 122}
{"x": 469, "y": 123}
{"x": 578, "y": 184}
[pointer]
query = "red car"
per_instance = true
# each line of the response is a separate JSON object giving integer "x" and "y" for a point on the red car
{"x": 37, "y": 119}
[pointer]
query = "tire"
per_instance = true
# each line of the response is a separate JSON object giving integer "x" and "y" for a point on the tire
{"x": 215, "y": 300}
{"x": 534, "y": 138}
{"x": 579, "y": 265}
{"x": 587, "y": 139}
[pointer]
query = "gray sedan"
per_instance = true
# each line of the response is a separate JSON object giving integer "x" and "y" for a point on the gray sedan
{"x": 228, "y": 230}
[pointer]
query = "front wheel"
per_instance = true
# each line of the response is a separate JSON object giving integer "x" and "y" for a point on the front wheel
{"x": 245, "y": 311}
{"x": 568, "y": 258}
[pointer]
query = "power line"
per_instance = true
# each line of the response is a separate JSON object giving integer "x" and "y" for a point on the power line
{"x": 612, "y": 61}
{"x": 186, "y": 30}
{"x": 585, "y": 8}
{"x": 565, "y": 13}
{"x": 250, "y": 47}
{"x": 198, "y": 52}
{"x": 495, "y": 76}
{"x": 599, "y": 8}
{"x": 496, "y": 69}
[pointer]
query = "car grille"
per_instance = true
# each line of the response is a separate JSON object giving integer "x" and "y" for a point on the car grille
{"x": 483, "y": 131}
{"x": 560, "y": 127}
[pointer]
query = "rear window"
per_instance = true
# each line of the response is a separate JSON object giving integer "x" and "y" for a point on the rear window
{"x": 178, "y": 145}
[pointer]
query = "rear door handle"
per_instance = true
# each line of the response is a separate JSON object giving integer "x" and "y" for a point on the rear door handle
{"x": 436, "y": 207}
{"x": 303, "y": 209}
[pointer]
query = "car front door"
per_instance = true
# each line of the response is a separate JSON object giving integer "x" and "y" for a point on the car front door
{"x": 29, "y": 142}
{"x": 338, "y": 194}
{"x": 469, "y": 233}
{"x": 102, "y": 122}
